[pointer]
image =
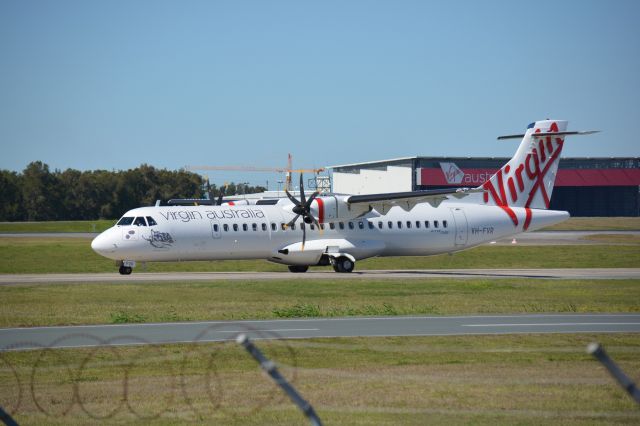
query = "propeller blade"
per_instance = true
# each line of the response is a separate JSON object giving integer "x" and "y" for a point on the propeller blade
{"x": 310, "y": 200}
{"x": 304, "y": 235}
{"x": 220, "y": 196}
{"x": 292, "y": 198}
{"x": 315, "y": 221}
{"x": 292, "y": 221}
{"x": 302, "y": 200}
{"x": 209, "y": 192}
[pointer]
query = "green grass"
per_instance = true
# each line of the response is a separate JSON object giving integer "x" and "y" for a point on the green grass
{"x": 597, "y": 224}
{"x": 60, "y": 255}
{"x": 99, "y": 303}
{"x": 56, "y": 226}
{"x": 614, "y": 238}
{"x": 485, "y": 380}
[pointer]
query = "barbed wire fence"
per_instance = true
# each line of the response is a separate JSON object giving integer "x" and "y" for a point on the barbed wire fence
{"x": 77, "y": 385}
{"x": 194, "y": 377}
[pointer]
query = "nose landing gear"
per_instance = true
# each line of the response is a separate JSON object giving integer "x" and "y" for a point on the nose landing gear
{"x": 125, "y": 266}
{"x": 125, "y": 270}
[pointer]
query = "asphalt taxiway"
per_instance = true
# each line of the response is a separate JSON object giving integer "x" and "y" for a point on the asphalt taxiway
{"x": 214, "y": 331}
{"x": 114, "y": 277}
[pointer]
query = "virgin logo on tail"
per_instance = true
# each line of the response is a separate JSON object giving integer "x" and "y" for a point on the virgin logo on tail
{"x": 532, "y": 170}
{"x": 452, "y": 173}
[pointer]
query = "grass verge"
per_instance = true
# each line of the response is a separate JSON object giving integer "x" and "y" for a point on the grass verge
{"x": 100, "y": 303}
{"x": 597, "y": 224}
{"x": 486, "y": 380}
{"x": 56, "y": 226}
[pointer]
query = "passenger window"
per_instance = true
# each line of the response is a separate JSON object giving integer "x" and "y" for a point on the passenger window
{"x": 215, "y": 227}
{"x": 408, "y": 224}
{"x": 140, "y": 221}
{"x": 417, "y": 224}
{"x": 380, "y": 224}
{"x": 426, "y": 224}
{"x": 322, "y": 226}
{"x": 351, "y": 225}
{"x": 283, "y": 226}
{"x": 332, "y": 225}
{"x": 361, "y": 224}
{"x": 312, "y": 226}
{"x": 390, "y": 225}
{"x": 435, "y": 223}
{"x": 370, "y": 225}
{"x": 125, "y": 221}
{"x": 341, "y": 225}
{"x": 254, "y": 226}
{"x": 274, "y": 227}
{"x": 225, "y": 227}
{"x": 235, "y": 227}
{"x": 151, "y": 221}
{"x": 444, "y": 223}
{"x": 245, "y": 227}
{"x": 399, "y": 224}
{"x": 264, "y": 226}
{"x": 293, "y": 226}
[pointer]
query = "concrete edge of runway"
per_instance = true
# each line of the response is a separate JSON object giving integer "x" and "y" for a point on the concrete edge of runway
{"x": 27, "y": 338}
{"x": 114, "y": 277}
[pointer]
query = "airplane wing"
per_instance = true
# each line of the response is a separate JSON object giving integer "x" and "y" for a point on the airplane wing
{"x": 407, "y": 200}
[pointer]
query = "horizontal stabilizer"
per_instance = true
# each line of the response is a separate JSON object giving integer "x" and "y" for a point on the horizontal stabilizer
{"x": 537, "y": 135}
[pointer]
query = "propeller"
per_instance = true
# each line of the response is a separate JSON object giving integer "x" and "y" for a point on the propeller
{"x": 209, "y": 191}
{"x": 221, "y": 196}
{"x": 302, "y": 208}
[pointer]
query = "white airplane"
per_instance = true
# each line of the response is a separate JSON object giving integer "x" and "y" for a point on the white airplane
{"x": 339, "y": 229}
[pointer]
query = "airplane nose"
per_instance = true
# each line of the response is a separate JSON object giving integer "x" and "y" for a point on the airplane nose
{"x": 102, "y": 245}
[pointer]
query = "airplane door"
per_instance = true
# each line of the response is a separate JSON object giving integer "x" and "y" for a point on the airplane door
{"x": 215, "y": 229}
{"x": 461, "y": 226}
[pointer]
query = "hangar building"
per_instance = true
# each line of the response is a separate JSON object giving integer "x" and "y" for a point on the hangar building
{"x": 584, "y": 186}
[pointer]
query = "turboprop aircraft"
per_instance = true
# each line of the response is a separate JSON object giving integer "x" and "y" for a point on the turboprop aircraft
{"x": 341, "y": 229}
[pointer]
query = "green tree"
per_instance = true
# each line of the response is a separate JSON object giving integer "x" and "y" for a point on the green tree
{"x": 38, "y": 192}
{"x": 10, "y": 196}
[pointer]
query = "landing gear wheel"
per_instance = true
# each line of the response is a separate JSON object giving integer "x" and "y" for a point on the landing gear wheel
{"x": 298, "y": 268}
{"x": 125, "y": 270}
{"x": 343, "y": 264}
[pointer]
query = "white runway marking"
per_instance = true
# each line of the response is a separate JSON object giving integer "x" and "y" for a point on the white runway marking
{"x": 551, "y": 324}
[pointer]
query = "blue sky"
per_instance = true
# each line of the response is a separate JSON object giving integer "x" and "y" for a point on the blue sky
{"x": 113, "y": 84}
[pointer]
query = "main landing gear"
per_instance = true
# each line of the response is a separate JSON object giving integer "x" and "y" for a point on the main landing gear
{"x": 343, "y": 264}
{"x": 340, "y": 264}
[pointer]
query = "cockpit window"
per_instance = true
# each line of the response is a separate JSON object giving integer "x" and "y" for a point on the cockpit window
{"x": 140, "y": 221}
{"x": 151, "y": 221}
{"x": 125, "y": 221}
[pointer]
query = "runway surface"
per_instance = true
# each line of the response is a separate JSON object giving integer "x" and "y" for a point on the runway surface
{"x": 114, "y": 277}
{"x": 213, "y": 331}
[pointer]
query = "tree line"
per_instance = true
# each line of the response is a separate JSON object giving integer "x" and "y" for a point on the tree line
{"x": 38, "y": 194}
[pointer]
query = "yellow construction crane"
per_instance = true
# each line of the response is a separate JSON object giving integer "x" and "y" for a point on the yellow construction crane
{"x": 287, "y": 170}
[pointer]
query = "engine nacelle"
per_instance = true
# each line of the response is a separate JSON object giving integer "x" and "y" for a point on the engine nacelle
{"x": 334, "y": 208}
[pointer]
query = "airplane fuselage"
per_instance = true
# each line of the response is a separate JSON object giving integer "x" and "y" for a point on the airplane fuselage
{"x": 259, "y": 232}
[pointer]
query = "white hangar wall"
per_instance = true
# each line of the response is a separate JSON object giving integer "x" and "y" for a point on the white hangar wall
{"x": 372, "y": 181}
